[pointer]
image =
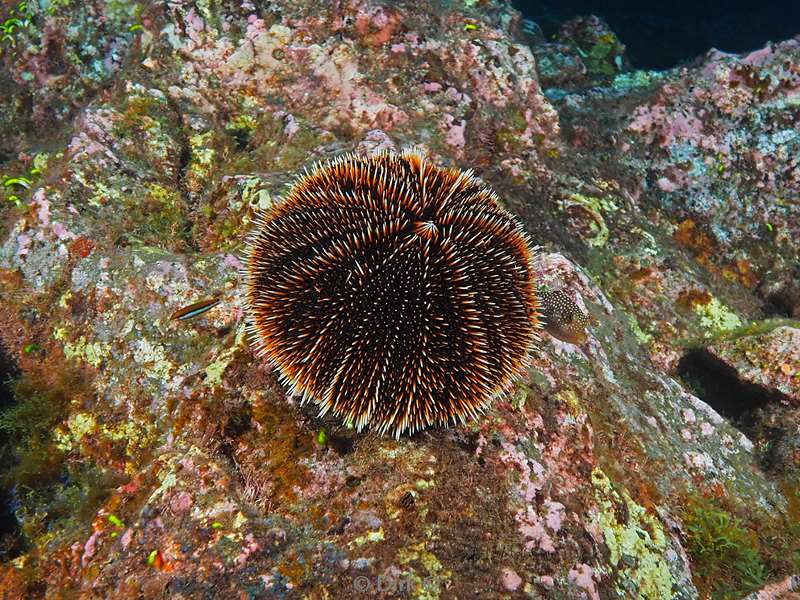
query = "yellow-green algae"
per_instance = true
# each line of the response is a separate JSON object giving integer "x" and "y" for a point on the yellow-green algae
{"x": 571, "y": 401}
{"x": 595, "y": 206}
{"x": 242, "y": 123}
{"x": 202, "y": 159}
{"x": 79, "y": 425}
{"x": 82, "y": 350}
{"x": 159, "y": 193}
{"x": 216, "y": 369}
{"x": 370, "y": 537}
{"x": 643, "y": 337}
{"x": 429, "y": 585}
{"x": 640, "y": 542}
{"x": 715, "y": 317}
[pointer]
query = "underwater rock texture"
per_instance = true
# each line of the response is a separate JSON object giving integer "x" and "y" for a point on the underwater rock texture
{"x": 160, "y": 459}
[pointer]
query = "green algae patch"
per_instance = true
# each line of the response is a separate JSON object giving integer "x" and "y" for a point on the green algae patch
{"x": 571, "y": 401}
{"x": 54, "y": 495}
{"x": 724, "y": 553}
{"x": 634, "y": 80}
{"x": 520, "y": 399}
{"x": 38, "y": 409}
{"x": 202, "y": 155}
{"x": 603, "y": 58}
{"x": 756, "y": 328}
{"x": 132, "y": 436}
{"x": 159, "y": 214}
{"x": 636, "y": 544}
{"x": 736, "y": 547}
{"x": 254, "y": 196}
{"x": 641, "y": 336}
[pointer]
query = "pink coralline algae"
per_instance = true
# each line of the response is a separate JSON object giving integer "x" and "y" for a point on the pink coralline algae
{"x": 455, "y": 134}
{"x": 583, "y": 576}
{"x": 539, "y": 531}
{"x": 511, "y": 581}
{"x": 529, "y": 485}
{"x": 740, "y": 162}
{"x": 23, "y": 243}
{"x": 279, "y": 56}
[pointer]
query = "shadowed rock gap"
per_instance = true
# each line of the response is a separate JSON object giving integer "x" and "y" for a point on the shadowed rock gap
{"x": 719, "y": 385}
{"x": 10, "y": 534}
{"x": 746, "y": 405}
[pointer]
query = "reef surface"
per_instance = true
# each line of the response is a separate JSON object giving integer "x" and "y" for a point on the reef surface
{"x": 149, "y": 458}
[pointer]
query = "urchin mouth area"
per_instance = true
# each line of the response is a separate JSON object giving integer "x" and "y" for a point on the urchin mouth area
{"x": 425, "y": 229}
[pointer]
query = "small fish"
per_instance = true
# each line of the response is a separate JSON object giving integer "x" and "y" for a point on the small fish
{"x": 194, "y": 310}
{"x": 562, "y": 317}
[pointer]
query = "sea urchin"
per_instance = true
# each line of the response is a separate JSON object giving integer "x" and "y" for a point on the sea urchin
{"x": 391, "y": 292}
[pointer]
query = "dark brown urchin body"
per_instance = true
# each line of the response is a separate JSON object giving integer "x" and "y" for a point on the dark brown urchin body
{"x": 391, "y": 292}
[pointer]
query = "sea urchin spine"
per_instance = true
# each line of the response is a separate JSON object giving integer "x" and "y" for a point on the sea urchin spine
{"x": 391, "y": 292}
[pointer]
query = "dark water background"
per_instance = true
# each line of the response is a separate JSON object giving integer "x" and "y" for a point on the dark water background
{"x": 661, "y": 35}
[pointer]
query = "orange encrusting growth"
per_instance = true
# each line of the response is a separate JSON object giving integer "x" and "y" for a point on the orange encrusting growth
{"x": 391, "y": 292}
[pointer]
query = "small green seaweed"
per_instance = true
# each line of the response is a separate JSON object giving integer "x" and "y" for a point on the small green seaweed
{"x": 22, "y": 182}
{"x": 14, "y": 187}
{"x": 19, "y": 18}
{"x": 116, "y": 521}
{"x": 725, "y": 554}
